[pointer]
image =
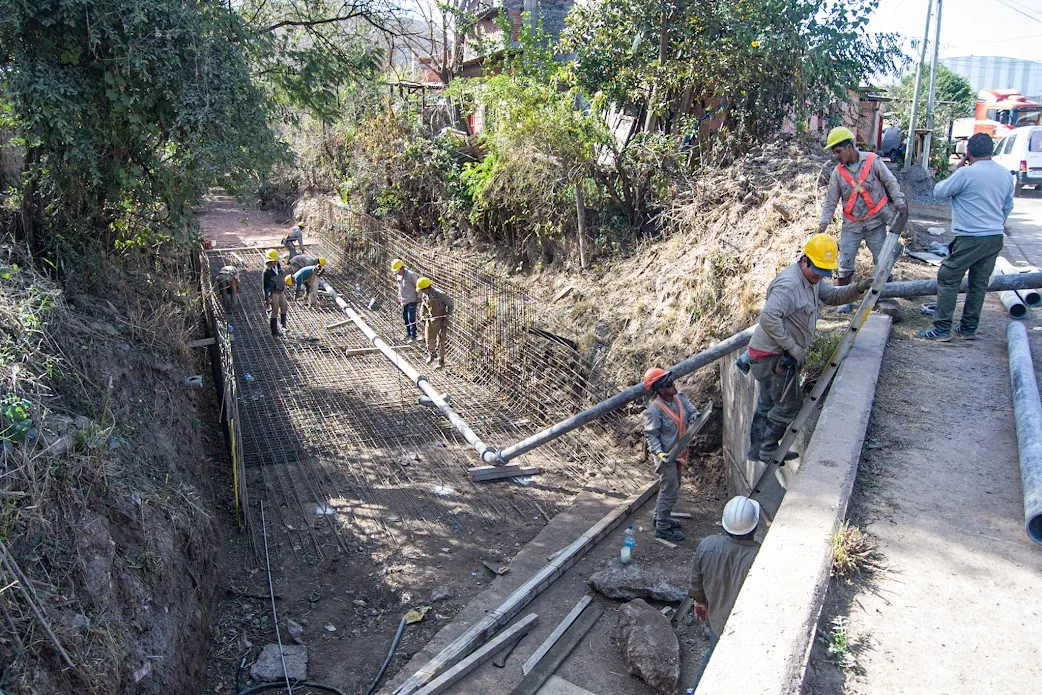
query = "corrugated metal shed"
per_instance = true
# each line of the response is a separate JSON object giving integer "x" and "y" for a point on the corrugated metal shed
{"x": 999, "y": 72}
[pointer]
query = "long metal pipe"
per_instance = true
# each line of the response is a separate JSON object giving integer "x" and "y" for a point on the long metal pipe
{"x": 697, "y": 361}
{"x": 925, "y": 288}
{"x": 1027, "y": 409}
{"x": 487, "y": 453}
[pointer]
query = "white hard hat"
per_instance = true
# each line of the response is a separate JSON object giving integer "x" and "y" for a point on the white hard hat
{"x": 741, "y": 515}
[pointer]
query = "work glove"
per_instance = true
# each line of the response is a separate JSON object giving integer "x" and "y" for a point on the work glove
{"x": 661, "y": 457}
{"x": 797, "y": 353}
{"x": 864, "y": 285}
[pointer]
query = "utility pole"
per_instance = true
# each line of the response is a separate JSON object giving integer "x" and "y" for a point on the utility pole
{"x": 933, "y": 88}
{"x": 911, "y": 140}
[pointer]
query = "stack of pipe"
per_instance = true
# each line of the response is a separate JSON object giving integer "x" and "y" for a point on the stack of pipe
{"x": 1023, "y": 298}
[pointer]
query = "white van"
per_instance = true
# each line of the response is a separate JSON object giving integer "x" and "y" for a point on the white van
{"x": 1021, "y": 153}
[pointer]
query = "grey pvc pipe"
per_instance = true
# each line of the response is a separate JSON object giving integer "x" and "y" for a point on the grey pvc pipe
{"x": 925, "y": 288}
{"x": 695, "y": 362}
{"x": 1011, "y": 300}
{"x": 487, "y": 453}
{"x": 1030, "y": 297}
{"x": 1027, "y": 410}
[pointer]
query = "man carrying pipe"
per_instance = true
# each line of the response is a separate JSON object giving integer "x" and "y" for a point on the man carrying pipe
{"x": 407, "y": 296}
{"x": 435, "y": 311}
{"x": 866, "y": 187}
{"x": 274, "y": 286}
{"x": 778, "y": 347}
{"x": 981, "y": 192}
{"x": 666, "y": 418}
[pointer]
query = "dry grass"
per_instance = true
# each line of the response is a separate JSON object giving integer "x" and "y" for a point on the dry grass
{"x": 853, "y": 552}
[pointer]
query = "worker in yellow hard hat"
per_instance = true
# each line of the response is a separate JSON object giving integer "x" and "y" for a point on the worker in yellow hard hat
{"x": 407, "y": 296}
{"x": 869, "y": 194}
{"x": 273, "y": 282}
{"x": 778, "y": 348}
{"x": 435, "y": 309}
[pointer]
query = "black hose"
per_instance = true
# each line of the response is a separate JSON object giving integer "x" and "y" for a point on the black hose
{"x": 298, "y": 684}
{"x": 387, "y": 661}
{"x": 238, "y": 672}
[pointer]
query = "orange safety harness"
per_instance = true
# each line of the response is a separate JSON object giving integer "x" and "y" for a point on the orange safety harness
{"x": 858, "y": 188}
{"x": 678, "y": 419}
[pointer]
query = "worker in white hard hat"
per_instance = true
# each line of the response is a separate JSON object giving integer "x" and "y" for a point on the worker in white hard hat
{"x": 408, "y": 297}
{"x": 869, "y": 193}
{"x": 720, "y": 566}
{"x": 295, "y": 236}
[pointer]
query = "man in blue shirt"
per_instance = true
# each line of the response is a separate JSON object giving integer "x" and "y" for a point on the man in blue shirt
{"x": 981, "y": 192}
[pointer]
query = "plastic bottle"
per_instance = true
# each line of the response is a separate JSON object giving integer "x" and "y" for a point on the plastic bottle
{"x": 627, "y": 546}
{"x": 358, "y": 288}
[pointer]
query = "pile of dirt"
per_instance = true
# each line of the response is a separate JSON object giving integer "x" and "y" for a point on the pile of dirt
{"x": 105, "y": 505}
{"x": 919, "y": 185}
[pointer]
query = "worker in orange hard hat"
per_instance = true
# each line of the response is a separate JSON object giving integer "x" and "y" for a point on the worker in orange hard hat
{"x": 778, "y": 348}
{"x": 869, "y": 193}
{"x": 667, "y": 417}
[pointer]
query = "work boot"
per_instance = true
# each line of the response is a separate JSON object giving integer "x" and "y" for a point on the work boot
{"x": 673, "y": 523}
{"x": 669, "y": 534}
{"x": 934, "y": 335}
{"x": 964, "y": 333}
{"x": 283, "y": 322}
{"x": 430, "y": 358}
{"x": 275, "y": 328}
{"x": 844, "y": 308}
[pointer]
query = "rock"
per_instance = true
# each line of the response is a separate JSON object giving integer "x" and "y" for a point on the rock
{"x": 636, "y": 581}
{"x": 649, "y": 646}
{"x": 296, "y": 630}
{"x": 79, "y": 622}
{"x": 268, "y": 666}
{"x": 96, "y": 551}
{"x": 442, "y": 593}
{"x": 889, "y": 308}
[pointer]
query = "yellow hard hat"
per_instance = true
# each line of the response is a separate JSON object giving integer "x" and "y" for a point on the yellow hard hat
{"x": 837, "y": 135}
{"x": 423, "y": 283}
{"x": 397, "y": 264}
{"x": 289, "y": 280}
{"x": 823, "y": 252}
{"x": 321, "y": 262}
{"x": 272, "y": 255}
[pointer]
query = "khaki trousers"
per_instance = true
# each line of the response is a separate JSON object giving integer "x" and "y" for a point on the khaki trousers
{"x": 437, "y": 334}
{"x": 279, "y": 305}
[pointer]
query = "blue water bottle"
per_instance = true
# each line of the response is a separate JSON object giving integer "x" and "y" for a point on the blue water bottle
{"x": 628, "y": 545}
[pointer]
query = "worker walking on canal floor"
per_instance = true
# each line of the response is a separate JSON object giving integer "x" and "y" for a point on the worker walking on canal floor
{"x": 408, "y": 297}
{"x": 273, "y": 282}
{"x": 720, "y": 566}
{"x": 868, "y": 191}
{"x": 787, "y": 326}
{"x": 666, "y": 418}
{"x": 227, "y": 286}
{"x": 435, "y": 309}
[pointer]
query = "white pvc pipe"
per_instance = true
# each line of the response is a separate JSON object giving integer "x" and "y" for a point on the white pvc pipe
{"x": 1030, "y": 296}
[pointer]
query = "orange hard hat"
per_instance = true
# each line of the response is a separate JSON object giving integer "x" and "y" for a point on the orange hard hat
{"x": 653, "y": 376}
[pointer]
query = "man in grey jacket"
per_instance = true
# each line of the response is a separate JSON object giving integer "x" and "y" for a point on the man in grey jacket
{"x": 408, "y": 297}
{"x": 787, "y": 326}
{"x": 981, "y": 192}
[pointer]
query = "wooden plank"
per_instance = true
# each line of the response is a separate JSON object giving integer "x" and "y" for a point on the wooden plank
{"x": 275, "y": 244}
{"x": 558, "y": 653}
{"x": 524, "y": 594}
{"x": 504, "y": 654}
{"x": 680, "y": 515}
{"x": 552, "y": 638}
{"x": 445, "y": 681}
{"x": 202, "y": 342}
{"x": 663, "y": 541}
{"x": 338, "y": 324}
{"x": 484, "y": 473}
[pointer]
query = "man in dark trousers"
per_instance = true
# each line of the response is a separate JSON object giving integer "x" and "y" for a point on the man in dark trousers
{"x": 274, "y": 284}
{"x": 981, "y": 192}
{"x": 667, "y": 417}
{"x": 408, "y": 296}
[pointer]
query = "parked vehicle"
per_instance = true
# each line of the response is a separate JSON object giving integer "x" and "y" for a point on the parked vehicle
{"x": 1021, "y": 152}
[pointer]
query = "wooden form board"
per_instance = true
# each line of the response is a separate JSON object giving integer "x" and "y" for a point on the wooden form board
{"x": 552, "y": 638}
{"x": 524, "y": 594}
{"x": 483, "y": 473}
{"x": 558, "y": 653}
{"x": 202, "y": 342}
{"x": 486, "y": 652}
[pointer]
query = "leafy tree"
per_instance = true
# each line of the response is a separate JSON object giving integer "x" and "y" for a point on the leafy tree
{"x": 953, "y": 99}
{"x": 128, "y": 110}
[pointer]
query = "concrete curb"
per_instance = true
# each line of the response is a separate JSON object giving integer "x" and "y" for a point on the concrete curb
{"x": 767, "y": 640}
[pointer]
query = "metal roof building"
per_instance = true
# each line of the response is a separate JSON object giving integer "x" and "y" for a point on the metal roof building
{"x": 999, "y": 72}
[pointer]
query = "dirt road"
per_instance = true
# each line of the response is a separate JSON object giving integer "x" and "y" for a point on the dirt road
{"x": 955, "y": 609}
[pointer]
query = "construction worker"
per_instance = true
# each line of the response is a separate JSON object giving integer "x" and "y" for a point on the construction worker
{"x": 720, "y": 566}
{"x": 294, "y": 235}
{"x": 981, "y": 192}
{"x": 435, "y": 309}
{"x": 666, "y": 418}
{"x": 273, "y": 283}
{"x": 302, "y": 260}
{"x": 786, "y": 329}
{"x": 306, "y": 280}
{"x": 867, "y": 188}
{"x": 227, "y": 285}
{"x": 407, "y": 296}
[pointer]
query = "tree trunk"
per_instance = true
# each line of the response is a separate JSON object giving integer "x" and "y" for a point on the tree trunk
{"x": 28, "y": 207}
{"x": 580, "y": 215}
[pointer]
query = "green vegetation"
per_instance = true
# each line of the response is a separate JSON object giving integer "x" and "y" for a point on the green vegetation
{"x": 955, "y": 99}
{"x": 853, "y": 552}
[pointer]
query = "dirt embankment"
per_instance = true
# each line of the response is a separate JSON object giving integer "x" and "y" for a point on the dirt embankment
{"x": 106, "y": 503}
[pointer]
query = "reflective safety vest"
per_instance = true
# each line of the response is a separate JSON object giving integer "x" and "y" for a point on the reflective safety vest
{"x": 857, "y": 188}
{"x": 678, "y": 420}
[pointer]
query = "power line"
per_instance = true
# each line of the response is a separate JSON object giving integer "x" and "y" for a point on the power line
{"x": 1018, "y": 10}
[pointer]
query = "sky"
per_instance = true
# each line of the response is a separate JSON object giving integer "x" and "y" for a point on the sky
{"x": 969, "y": 27}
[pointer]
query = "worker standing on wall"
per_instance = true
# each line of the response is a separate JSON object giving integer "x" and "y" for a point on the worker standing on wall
{"x": 306, "y": 280}
{"x": 720, "y": 566}
{"x": 407, "y": 296}
{"x": 294, "y": 236}
{"x": 435, "y": 310}
{"x": 666, "y": 418}
{"x": 274, "y": 285}
{"x": 867, "y": 189}
{"x": 778, "y": 347}
{"x": 227, "y": 285}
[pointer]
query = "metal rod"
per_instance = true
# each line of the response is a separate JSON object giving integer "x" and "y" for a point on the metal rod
{"x": 691, "y": 364}
{"x": 487, "y": 453}
{"x": 925, "y": 288}
{"x": 1028, "y": 413}
{"x": 910, "y": 142}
